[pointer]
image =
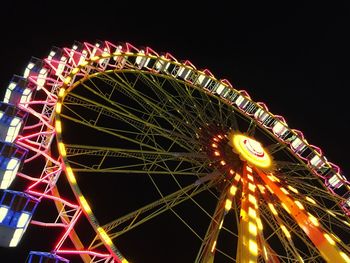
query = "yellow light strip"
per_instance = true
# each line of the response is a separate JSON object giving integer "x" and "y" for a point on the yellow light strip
{"x": 253, "y": 247}
{"x": 237, "y": 177}
{"x": 85, "y": 204}
{"x": 313, "y": 220}
{"x": 286, "y": 208}
{"x": 247, "y": 242}
{"x": 293, "y": 189}
{"x": 75, "y": 70}
{"x": 70, "y": 175}
{"x": 311, "y": 200}
{"x": 252, "y": 212}
{"x": 228, "y": 204}
{"x": 329, "y": 239}
{"x": 233, "y": 190}
{"x": 251, "y": 187}
{"x": 58, "y": 107}
{"x": 285, "y": 231}
{"x": 300, "y": 205}
{"x": 272, "y": 208}
{"x": 67, "y": 80}
{"x": 252, "y": 228}
{"x": 261, "y": 188}
{"x": 58, "y": 126}
{"x": 61, "y": 92}
{"x": 213, "y": 247}
{"x": 62, "y": 149}
{"x": 284, "y": 190}
{"x": 344, "y": 256}
{"x": 104, "y": 236}
{"x": 259, "y": 224}
{"x": 95, "y": 58}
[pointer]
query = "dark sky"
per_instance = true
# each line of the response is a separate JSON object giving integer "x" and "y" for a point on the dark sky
{"x": 294, "y": 57}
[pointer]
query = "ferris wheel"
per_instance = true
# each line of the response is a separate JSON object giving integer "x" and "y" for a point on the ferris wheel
{"x": 140, "y": 150}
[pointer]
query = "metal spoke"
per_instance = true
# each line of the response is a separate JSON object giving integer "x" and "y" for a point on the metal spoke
{"x": 116, "y": 228}
{"x": 207, "y": 249}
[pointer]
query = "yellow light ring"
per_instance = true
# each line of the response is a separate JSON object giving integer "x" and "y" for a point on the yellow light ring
{"x": 70, "y": 174}
{"x": 247, "y": 152}
{"x": 251, "y": 151}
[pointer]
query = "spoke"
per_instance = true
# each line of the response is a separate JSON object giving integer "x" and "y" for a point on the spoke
{"x": 150, "y": 105}
{"x": 119, "y": 171}
{"x": 90, "y": 150}
{"x": 247, "y": 251}
{"x": 124, "y": 224}
{"x": 251, "y": 128}
{"x": 276, "y": 147}
{"x": 105, "y": 130}
{"x": 152, "y": 125}
{"x": 208, "y": 246}
{"x": 325, "y": 244}
{"x": 127, "y": 115}
{"x": 173, "y": 102}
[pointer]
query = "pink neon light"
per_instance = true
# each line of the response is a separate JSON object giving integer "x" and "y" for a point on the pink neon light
{"x": 317, "y": 149}
{"x": 109, "y": 45}
{"x": 88, "y": 252}
{"x": 26, "y": 137}
{"x": 69, "y": 229}
{"x": 189, "y": 63}
{"x": 170, "y": 56}
{"x": 263, "y": 105}
{"x": 208, "y": 72}
{"x": 53, "y": 198}
{"x": 47, "y": 92}
{"x": 35, "y": 102}
{"x": 31, "y": 178}
{"x": 281, "y": 118}
{"x": 245, "y": 93}
{"x": 75, "y": 57}
{"x": 32, "y": 126}
{"x": 32, "y": 158}
{"x": 40, "y": 152}
{"x": 151, "y": 51}
{"x": 34, "y": 78}
{"x": 226, "y": 82}
{"x": 46, "y": 176}
{"x": 130, "y": 48}
{"x": 38, "y": 223}
{"x": 38, "y": 115}
{"x": 299, "y": 133}
{"x": 89, "y": 47}
{"x": 51, "y": 63}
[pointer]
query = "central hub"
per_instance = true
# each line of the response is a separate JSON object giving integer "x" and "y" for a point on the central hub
{"x": 250, "y": 150}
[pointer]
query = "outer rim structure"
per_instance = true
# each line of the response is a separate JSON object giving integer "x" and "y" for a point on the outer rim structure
{"x": 257, "y": 112}
{"x": 129, "y": 59}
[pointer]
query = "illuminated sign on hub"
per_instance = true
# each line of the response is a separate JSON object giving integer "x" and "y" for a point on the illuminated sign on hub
{"x": 251, "y": 151}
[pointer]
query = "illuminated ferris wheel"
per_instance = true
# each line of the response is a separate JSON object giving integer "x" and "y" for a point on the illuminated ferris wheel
{"x": 159, "y": 154}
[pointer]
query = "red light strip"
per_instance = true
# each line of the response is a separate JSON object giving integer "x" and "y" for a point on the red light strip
{"x": 54, "y": 198}
{"x": 47, "y": 156}
{"x": 87, "y": 252}
{"x": 69, "y": 229}
{"x": 38, "y": 223}
{"x": 329, "y": 251}
{"x": 43, "y": 178}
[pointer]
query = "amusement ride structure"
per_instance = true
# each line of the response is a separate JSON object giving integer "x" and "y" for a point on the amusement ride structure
{"x": 134, "y": 147}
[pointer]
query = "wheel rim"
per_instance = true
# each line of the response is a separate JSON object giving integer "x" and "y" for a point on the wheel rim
{"x": 200, "y": 119}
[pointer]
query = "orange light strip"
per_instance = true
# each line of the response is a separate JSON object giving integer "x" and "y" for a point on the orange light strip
{"x": 328, "y": 249}
{"x": 247, "y": 242}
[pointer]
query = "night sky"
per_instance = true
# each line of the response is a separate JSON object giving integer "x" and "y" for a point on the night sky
{"x": 294, "y": 57}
